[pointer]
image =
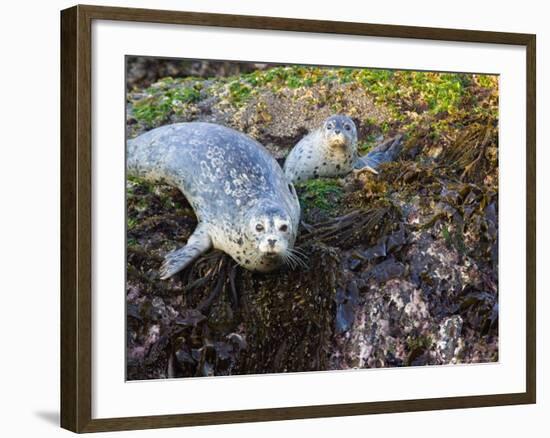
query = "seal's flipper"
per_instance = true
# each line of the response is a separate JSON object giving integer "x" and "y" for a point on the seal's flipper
{"x": 175, "y": 261}
{"x": 385, "y": 152}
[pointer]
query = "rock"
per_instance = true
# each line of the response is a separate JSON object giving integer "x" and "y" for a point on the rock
{"x": 449, "y": 343}
{"x": 379, "y": 250}
{"x": 385, "y": 271}
{"x": 346, "y": 302}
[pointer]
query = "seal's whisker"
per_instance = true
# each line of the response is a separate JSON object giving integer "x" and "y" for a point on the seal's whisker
{"x": 301, "y": 258}
{"x": 305, "y": 261}
{"x": 305, "y": 265}
{"x": 297, "y": 261}
{"x": 299, "y": 251}
{"x": 302, "y": 263}
{"x": 289, "y": 261}
{"x": 286, "y": 262}
{"x": 300, "y": 254}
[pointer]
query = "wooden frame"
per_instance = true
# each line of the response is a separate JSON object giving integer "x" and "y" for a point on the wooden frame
{"x": 76, "y": 168}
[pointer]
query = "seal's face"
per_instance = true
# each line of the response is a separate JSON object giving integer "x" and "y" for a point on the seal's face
{"x": 269, "y": 230}
{"x": 340, "y": 131}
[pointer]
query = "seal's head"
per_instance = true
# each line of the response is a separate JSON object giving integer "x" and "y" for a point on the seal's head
{"x": 271, "y": 233}
{"x": 339, "y": 131}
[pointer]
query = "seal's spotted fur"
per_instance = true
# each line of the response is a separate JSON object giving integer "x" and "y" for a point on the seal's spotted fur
{"x": 329, "y": 151}
{"x": 244, "y": 204}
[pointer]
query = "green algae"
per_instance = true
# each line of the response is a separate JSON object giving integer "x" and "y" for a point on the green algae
{"x": 323, "y": 193}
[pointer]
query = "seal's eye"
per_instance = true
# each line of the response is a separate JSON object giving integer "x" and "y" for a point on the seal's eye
{"x": 283, "y": 228}
{"x": 347, "y": 126}
{"x": 329, "y": 126}
{"x": 259, "y": 227}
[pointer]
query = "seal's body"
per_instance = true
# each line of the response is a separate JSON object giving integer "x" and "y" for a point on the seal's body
{"x": 244, "y": 204}
{"x": 329, "y": 151}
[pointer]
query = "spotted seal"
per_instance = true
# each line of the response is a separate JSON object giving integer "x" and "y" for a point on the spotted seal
{"x": 244, "y": 204}
{"x": 328, "y": 151}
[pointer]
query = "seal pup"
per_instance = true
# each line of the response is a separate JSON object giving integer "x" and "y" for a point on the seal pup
{"x": 331, "y": 151}
{"x": 244, "y": 204}
{"x": 328, "y": 151}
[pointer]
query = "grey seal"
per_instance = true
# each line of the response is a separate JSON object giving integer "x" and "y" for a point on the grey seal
{"x": 328, "y": 151}
{"x": 244, "y": 204}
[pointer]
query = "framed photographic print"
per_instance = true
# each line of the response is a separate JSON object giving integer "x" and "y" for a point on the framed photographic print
{"x": 267, "y": 218}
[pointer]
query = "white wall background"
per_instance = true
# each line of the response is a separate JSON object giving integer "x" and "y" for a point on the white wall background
{"x": 29, "y": 215}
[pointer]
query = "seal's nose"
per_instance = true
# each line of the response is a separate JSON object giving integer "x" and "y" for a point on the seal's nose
{"x": 272, "y": 242}
{"x": 337, "y": 131}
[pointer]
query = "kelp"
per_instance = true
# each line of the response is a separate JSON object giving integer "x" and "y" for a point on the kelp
{"x": 356, "y": 227}
{"x": 473, "y": 152}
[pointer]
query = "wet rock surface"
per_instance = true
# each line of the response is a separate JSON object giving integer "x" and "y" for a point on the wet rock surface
{"x": 402, "y": 267}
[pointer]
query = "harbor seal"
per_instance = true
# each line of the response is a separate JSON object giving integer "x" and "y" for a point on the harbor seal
{"x": 244, "y": 204}
{"x": 331, "y": 151}
{"x": 328, "y": 151}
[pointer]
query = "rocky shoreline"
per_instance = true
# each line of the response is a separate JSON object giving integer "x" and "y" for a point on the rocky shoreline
{"x": 403, "y": 266}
